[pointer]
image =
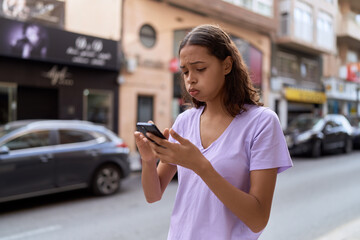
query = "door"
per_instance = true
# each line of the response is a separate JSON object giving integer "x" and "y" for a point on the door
{"x": 7, "y": 102}
{"x": 37, "y": 103}
{"x": 28, "y": 166}
{"x": 331, "y": 135}
{"x": 75, "y": 156}
{"x": 145, "y": 110}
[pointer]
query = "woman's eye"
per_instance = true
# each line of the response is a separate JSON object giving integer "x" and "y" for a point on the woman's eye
{"x": 185, "y": 73}
{"x": 200, "y": 69}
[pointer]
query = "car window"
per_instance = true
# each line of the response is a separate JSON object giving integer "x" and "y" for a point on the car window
{"x": 304, "y": 122}
{"x": 30, "y": 140}
{"x": 74, "y": 136}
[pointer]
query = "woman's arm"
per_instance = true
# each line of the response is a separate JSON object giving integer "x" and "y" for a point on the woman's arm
{"x": 154, "y": 178}
{"x": 252, "y": 208}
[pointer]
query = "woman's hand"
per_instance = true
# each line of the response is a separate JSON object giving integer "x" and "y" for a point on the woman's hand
{"x": 143, "y": 144}
{"x": 184, "y": 154}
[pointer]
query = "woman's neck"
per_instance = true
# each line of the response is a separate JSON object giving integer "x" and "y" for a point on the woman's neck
{"x": 215, "y": 109}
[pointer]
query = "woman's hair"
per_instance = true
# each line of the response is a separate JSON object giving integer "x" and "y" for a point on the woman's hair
{"x": 238, "y": 88}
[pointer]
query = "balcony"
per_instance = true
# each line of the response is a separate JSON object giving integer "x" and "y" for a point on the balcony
{"x": 299, "y": 36}
{"x": 348, "y": 30}
{"x": 228, "y": 12}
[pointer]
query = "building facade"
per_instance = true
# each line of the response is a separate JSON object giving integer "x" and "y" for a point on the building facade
{"x": 342, "y": 78}
{"x": 152, "y": 31}
{"x": 306, "y": 33}
{"x": 53, "y": 66}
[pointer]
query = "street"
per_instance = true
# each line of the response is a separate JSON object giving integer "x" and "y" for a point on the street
{"x": 315, "y": 200}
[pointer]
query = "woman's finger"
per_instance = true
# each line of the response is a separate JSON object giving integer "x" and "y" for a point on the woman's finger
{"x": 177, "y": 137}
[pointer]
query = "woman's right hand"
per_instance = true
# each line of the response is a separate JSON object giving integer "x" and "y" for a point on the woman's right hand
{"x": 146, "y": 152}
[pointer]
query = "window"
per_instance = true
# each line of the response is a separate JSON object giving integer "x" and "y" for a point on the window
{"x": 74, "y": 136}
{"x": 303, "y": 22}
{"x": 30, "y": 140}
{"x": 309, "y": 70}
{"x": 351, "y": 57}
{"x": 287, "y": 65}
{"x": 325, "y": 30}
{"x": 263, "y": 7}
{"x": 98, "y": 107}
{"x": 147, "y": 36}
{"x": 145, "y": 108}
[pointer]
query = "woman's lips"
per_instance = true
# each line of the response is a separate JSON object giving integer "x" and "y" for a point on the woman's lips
{"x": 193, "y": 92}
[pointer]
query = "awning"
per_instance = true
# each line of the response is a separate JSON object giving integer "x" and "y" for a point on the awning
{"x": 304, "y": 95}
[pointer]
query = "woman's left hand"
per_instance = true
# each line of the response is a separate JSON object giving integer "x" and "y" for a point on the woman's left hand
{"x": 184, "y": 154}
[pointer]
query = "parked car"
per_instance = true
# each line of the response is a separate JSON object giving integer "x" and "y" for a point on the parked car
{"x": 355, "y": 123}
{"x": 40, "y": 157}
{"x": 312, "y": 135}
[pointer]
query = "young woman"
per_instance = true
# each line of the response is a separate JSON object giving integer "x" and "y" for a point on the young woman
{"x": 227, "y": 149}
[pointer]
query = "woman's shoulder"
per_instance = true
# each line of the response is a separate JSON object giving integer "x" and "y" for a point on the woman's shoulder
{"x": 260, "y": 113}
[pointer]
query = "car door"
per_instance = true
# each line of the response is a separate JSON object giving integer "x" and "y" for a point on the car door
{"x": 330, "y": 135}
{"x": 28, "y": 165}
{"x": 75, "y": 156}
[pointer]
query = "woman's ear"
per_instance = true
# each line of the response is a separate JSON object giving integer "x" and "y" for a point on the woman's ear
{"x": 227, "y": 64}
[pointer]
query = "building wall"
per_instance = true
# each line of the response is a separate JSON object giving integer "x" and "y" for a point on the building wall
{"x": 96, "y": 17}
{"x": 158, "y": 81}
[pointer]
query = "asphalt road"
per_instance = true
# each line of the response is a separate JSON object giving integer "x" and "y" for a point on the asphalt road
{"x": 317, "y": 199}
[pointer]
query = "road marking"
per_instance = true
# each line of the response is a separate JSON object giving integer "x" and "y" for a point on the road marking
{"x": 32, "y": 233}
{"x": 348, "y": 231}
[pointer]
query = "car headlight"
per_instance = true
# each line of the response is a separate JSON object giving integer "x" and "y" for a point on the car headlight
{"x": 304, "y": 136}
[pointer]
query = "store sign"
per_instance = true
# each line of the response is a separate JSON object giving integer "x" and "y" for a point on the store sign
{"x": 38, "y": 42}
{"x": 48, "y": 12}
{"x": 304, "y": 95}
{"x": 353, "y": 72}
{"x": 59, "y": 77}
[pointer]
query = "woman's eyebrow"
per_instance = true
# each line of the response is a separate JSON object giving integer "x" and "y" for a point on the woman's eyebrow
{"x": 192, "y": 63}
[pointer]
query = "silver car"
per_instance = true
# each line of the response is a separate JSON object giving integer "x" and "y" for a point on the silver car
{"x": 40, "y": 157}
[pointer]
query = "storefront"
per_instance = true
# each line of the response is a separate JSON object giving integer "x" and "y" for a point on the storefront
{"x": 48, "y": 73}
{"x": 301, "y": 101}
{"x": 343, "y": 96}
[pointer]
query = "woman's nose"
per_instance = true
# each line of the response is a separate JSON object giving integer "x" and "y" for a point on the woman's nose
{"x": 191, "y": 78}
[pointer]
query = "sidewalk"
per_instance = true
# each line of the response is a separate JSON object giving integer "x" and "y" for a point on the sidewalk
{"x": 348, "y": 231}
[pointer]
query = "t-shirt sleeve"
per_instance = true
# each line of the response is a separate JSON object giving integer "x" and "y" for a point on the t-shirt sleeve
{"x": 269, "y": 148}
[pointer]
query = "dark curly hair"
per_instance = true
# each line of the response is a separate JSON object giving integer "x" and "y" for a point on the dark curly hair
{"x": 238, "y": 86}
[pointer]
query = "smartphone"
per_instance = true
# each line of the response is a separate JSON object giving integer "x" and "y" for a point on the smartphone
{"x": 145, "y": 127}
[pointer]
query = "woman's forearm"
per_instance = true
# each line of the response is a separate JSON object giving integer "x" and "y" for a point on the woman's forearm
{"x": 150, "y": 182}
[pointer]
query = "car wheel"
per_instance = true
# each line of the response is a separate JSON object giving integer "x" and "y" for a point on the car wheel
{"x": 348, "y": 146}
{"x": 106, "y": 180}
{"x": 316, "y": 149}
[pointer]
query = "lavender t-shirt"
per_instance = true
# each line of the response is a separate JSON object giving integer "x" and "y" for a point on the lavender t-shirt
{"x": 253, "y": 140}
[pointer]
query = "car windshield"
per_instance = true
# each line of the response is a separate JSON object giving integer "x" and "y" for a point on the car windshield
{"x": 305, "y": 122}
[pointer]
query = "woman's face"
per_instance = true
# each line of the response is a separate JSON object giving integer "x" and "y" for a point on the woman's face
{"x": 203, "y": 73}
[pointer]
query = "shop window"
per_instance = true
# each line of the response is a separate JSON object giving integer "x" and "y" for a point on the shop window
{"x": 7, "y": 102}
{"x": 98, "y": 107}
{"x": 147, "y": 35}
